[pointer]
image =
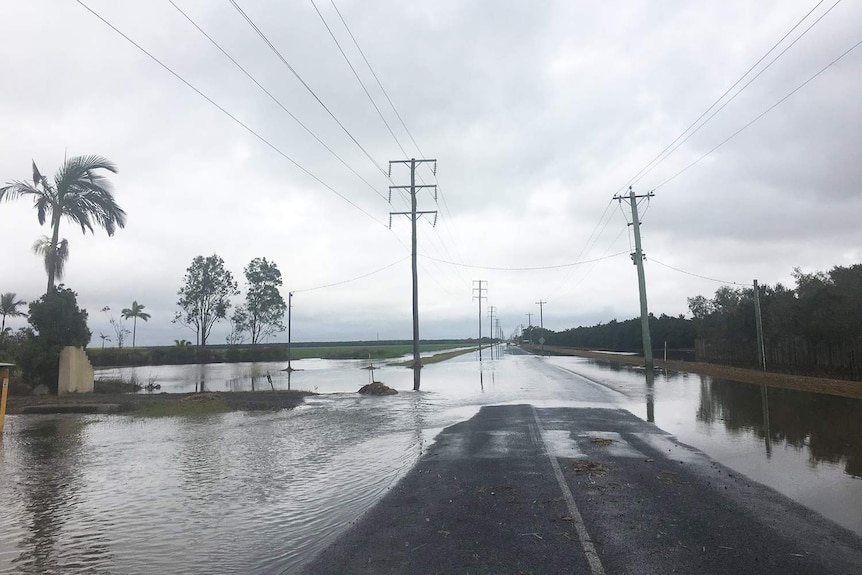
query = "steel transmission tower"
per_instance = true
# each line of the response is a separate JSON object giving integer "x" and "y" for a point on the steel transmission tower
{"x": 414, "y": 214}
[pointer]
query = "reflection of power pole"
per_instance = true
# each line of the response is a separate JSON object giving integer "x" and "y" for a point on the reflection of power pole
{"x": 638, "y": 259}
{"x": 413, "y": 214}
{"x": 478, "y": 294}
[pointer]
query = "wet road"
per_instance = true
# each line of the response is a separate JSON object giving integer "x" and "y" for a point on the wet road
{"x": 265, "y": 492}
{"x": 582, "y": 491}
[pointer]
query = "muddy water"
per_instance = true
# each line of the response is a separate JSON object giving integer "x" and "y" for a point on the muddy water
{"x": 239, "y": 493}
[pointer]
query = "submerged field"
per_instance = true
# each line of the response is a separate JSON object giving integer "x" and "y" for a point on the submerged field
{"x": 174, "y": 355}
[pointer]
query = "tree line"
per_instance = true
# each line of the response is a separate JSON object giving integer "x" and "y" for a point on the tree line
{"x": 205, "y": 299}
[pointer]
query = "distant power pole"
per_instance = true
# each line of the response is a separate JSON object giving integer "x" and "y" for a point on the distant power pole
{"x": 638, "y": 259}
{"x": 491, "y": 310}
{"x": 541, "y": 303}
{"x": 289, "y": 309}
{"x": 478, "y": 294}
{"x": 413, "y": 214}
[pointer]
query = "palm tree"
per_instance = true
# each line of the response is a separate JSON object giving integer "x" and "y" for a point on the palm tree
{"x": 79, "y": 192}
{"x": 55, "y": 259}
{"x": 104, "y": 339}
{"x": 8, "y": 306}
{"x": 135, "y": 312}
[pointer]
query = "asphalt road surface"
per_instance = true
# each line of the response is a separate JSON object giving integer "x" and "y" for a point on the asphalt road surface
{"x": 518, "y": 490}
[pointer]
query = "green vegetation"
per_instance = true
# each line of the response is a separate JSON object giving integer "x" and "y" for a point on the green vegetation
{"x": 56, "y": 322}
{"x": 193, "y": 405}
{"x": 135, "y": 312}
{"x": 9, "y": 304}
{"x": 437, "y": 357}
{"x": 183, "y": 354}
{"x": 205, "y": 296}
{"x": 80, "y": 193}
{"x": 678, "y": 332}
{"x": 264, "y": 307}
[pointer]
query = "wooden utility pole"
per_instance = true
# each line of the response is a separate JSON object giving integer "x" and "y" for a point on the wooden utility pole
{"x": 289, "y": 318}
{"x": 541, "y": 303}
{"x": 491, "y": 310}
{"x": 413, "y": 214}
{"x": 638, "y": 259}
{"x": 478, "y": 294}
{"x": 758, "y": 320}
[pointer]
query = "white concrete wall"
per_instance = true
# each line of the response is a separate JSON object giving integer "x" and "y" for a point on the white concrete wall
{"x": 76, "y": 372}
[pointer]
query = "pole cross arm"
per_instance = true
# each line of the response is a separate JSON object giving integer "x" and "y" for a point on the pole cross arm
{"x": 412, "y": 187}
{"x": 409, "y": 161}
{"x": 418, "y": 213}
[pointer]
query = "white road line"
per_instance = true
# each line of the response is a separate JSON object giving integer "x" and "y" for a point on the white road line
{"x": 581, "y": 529}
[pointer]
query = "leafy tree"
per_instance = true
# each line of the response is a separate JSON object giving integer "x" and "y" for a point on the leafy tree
{"x": 58, "y": 322}
{"x": 264, "y": 305}
{"x": 238, "y": 326}
{"x": 135, "y": 312}
{"x": 55, "y": 258}
{"x": 9, "y": 307}
{"x": 79, "y": 192}
{"x": 205, "y": 295}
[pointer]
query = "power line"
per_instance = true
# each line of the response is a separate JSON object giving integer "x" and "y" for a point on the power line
{"x": 358, "y": 79}
{"x": 756, "y": 118}
{"x": 363, "y": 276}
{"x": 446, "y": 209}
{"x": 522, "y": 269}
{"x": 658, "y": 159}
{"x": 697, "y": 275}
{"x": 274, "y": 99}
{"x": 745, "y": 85}
{"x": 382, "y": 89}
{"x": 228, "y": 114}
{"x": 272, "y": 47}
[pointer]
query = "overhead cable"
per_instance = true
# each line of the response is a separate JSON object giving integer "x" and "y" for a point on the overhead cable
{"x": 664, "y": 154}
{"x": 698, "y": 275}
{"x": 363, "y": 276}
{"x": 272, "y": 47}
{"x": 228, "y": 114}
{"x": 523, "y": 269}
{"x": 756, "y": 118}
{"x": 276, "y": 100}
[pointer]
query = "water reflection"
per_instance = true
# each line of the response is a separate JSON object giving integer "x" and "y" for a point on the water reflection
{"x": 828, "y": 427}
{"x": 50, "y": 492}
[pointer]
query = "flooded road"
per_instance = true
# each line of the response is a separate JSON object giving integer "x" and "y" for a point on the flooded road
{"x": 263, "y": 492}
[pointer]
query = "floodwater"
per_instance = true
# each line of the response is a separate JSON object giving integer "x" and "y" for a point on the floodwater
{"x": 263, "y": 492}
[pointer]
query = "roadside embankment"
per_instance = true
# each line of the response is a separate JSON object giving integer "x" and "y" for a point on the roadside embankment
{"x": 436, "y": 358}
{"x": 840, "y": 387}
{"x": 159, "y": 404}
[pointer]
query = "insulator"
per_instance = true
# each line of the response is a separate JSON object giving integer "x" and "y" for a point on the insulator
{"x": 434, "y": 169}
{"x": 390, "y": 221}
{"x": 390, "y": 197}
{"x": 434, "y": 225}
{"x": 389, "y": 174}
{"x": 435, "y": 193}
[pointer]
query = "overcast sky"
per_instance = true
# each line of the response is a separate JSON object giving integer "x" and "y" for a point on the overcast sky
{"x": 538, "y": 113}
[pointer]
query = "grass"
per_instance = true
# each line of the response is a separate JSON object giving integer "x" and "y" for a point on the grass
{"x": 839, "y": 387}
{"x": 192, "y": 405}
{"x": 437, "y": 357}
